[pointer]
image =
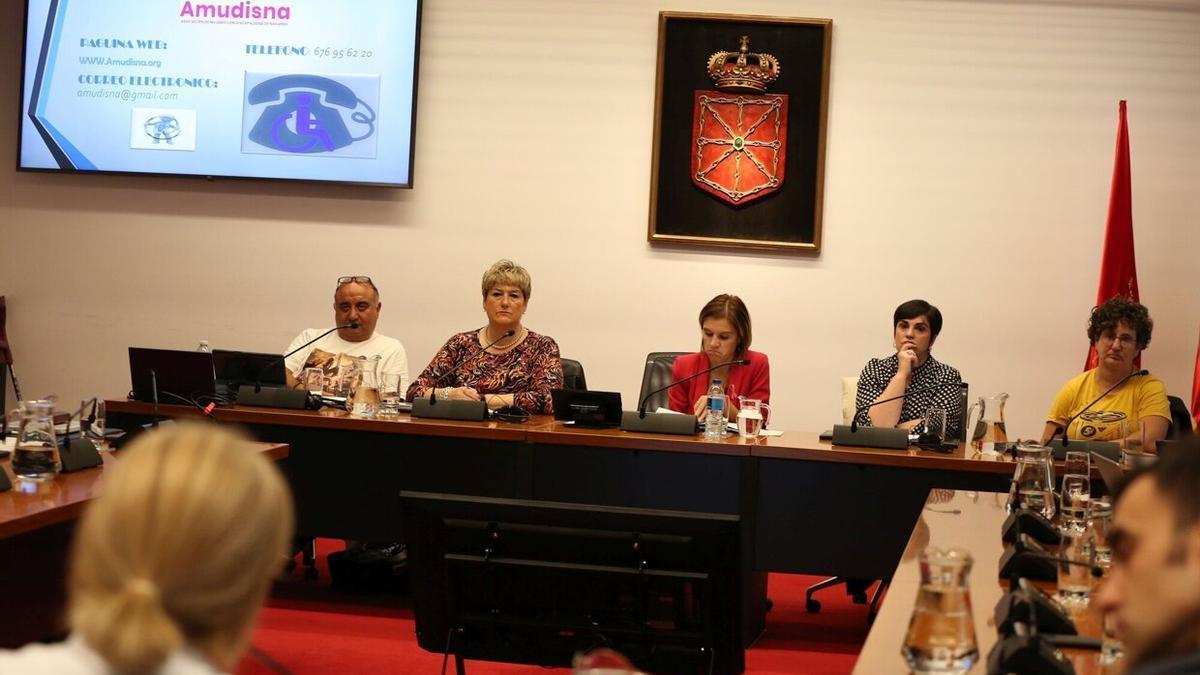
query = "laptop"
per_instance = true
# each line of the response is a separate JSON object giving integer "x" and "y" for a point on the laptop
{"x": 234, "y": 368}
{"x": 181, "y": 376}
{"x": 1110, "y": 471}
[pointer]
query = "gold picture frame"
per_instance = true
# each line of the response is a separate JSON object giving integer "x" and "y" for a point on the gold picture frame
{"x": 787, "y": 217}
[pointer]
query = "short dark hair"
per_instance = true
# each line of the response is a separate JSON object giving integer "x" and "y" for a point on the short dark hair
{"x": 914, "y": 308}
{"x": 1176, "y": 475}
{"x": 1117, "y": 309}
{"x": 732, "y": 309}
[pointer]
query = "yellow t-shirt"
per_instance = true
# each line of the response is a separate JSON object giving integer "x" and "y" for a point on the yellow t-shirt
{"x": 1140, "y": 397}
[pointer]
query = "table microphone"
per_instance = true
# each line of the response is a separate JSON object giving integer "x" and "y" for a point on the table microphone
{"x": 1063, "y": 429}
{"x": 258, "y": 379}
{"x": 442, "y": 377}
{"x": 642, "y": 403}
{"x": 854, "y": 422}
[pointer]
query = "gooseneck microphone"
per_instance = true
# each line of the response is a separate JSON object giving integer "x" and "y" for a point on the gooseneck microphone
{"x": 642, "y": 403}
{"x": 265, "y": 368}
{"x": 1063, "y": 429}
{"x": 441, "y": 378}
{"x": 859, "y": 409}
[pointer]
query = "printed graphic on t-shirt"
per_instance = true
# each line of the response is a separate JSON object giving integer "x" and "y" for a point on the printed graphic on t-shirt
{"x": 1101, "y": 425}
{"x": 340, "y": 373}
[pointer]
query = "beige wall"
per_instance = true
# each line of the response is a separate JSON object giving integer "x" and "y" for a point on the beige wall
{"x": 970, "y": 150}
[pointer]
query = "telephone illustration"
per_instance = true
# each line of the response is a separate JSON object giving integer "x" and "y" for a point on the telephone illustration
{"x": 314, "y": 126}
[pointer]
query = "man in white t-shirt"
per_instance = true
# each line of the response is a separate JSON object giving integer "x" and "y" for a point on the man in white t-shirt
{"x": 356, "y": 301}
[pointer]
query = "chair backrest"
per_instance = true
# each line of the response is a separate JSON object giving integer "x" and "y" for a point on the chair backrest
{"x": 656, "y": 375}
{"x": 965, "y": 399}
{"x": 3, "y": 389}
{"x": 849, "y": 398}
{"x": 1181, "y": 420}
{"x": 573, "y": 375}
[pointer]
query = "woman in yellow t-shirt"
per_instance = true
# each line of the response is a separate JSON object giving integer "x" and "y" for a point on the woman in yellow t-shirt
{"x": 1119, "y": 330}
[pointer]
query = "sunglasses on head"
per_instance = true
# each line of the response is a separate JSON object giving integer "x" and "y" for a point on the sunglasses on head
{"x": 356, "y": 280}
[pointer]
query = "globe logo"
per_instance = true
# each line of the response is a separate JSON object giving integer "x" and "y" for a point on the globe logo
{"x": 162, "y": 128}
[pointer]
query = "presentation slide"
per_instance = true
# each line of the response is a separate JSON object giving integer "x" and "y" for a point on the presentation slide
{"x": 294, "y": 89}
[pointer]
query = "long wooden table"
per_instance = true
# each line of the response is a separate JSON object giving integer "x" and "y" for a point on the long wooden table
{"x": 973, "y": 521}
{"x": 37, "y": 521}
{"x": 805, "y": 506}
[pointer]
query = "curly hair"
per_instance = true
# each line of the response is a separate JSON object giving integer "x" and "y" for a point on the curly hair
{"x": 1119, "y": 309}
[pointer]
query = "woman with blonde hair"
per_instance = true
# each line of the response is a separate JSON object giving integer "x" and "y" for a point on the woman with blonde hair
{"x": 171, "y": 564}
{"x": 503, "y": 363}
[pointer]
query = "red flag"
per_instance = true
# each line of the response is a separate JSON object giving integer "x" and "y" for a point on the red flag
{"x": 1196, "y": 392}
{"x": 1118, "y": 273}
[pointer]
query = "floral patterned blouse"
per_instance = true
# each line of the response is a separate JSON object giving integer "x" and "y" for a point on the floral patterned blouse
{"x": 528, "y": 371}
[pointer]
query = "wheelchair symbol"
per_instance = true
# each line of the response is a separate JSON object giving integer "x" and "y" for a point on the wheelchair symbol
{"x": 298, "y": 120}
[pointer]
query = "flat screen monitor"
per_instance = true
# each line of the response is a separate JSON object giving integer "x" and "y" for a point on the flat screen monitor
{"x": 588, "y": 408}
{"x": 234, "y": 368}
{"x": 170, "y": 375}
{"x": 532, "y": 581}
{"x": 315, "y": 90}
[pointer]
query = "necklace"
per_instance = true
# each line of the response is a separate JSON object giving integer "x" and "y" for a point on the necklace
{"x": 496, "y": 344}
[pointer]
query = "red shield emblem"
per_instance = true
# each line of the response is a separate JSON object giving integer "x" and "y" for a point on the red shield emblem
{"x": 739, "y": 144}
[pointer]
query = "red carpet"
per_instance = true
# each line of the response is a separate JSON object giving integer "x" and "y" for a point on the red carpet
{"x": 309, "y": 628}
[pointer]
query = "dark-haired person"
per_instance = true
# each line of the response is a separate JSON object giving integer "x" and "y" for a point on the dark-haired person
{"x": 724, "y": 336}
{"x": 1119, "y": 330}
{"x": 517, "y": 371}
{"x": 1153, "y": 587}
{"x": 915, "y": 327}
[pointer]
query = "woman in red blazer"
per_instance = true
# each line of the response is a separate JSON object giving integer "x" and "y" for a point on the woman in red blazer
{"x": 724, "y": 336}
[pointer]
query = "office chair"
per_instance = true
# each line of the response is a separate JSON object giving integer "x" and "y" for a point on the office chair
{"x": 1181, "y": 420}
{"x": 858, "y": 587}
{"x": 657, "y": 374}
{"x": 573, "y": 375}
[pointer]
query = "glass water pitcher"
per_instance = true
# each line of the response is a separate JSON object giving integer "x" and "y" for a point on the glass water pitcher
{"x": 1033, "y": 479}
{"x": 985, "y": 425}
{"x": 366, "y": 392}
{"x": 35, "y": 456}
{"x": 941, "y": 632}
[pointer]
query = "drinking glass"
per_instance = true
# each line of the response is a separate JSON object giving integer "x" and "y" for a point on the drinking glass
{"x": 1074, "y": 569}
{"x": 1111, "y": 649}
{"x": 1077, "y": 463}
{"x": 1076, "y": 495}
{"x": 391, "y": 393}
{"x": 97, "y": 430}
{"x": 1100, "y": 522}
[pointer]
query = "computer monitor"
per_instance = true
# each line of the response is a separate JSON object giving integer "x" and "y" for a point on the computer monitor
{"x": 531, "y": 581}
{"x": 588, "y": 408}
{"x": 178, "y": 376}
{"x": 235, "y": 368}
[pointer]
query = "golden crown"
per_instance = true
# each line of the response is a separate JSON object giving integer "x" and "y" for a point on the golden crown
{"x": 732, "y": 71}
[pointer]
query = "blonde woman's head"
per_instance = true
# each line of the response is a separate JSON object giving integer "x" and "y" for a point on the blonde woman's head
{"x": 507, "y": 273}
{"x": 180, "y": 548}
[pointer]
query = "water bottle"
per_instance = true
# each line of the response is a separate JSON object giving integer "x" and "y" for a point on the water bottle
{"x": 203, "y": 347}
{"x": 714, "y": 422}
